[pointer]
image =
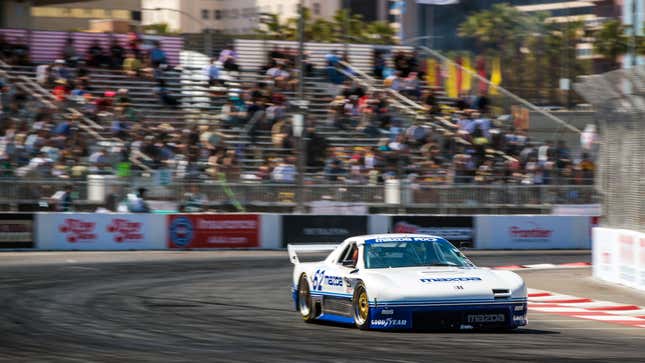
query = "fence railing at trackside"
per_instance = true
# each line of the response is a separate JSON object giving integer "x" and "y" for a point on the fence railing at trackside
{"x": 217, "y": 193}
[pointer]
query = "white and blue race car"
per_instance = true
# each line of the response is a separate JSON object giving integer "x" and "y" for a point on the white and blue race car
{"x": 404, "y": 281}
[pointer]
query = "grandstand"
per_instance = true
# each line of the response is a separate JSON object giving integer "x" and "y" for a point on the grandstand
{"x": 169, "y": 120}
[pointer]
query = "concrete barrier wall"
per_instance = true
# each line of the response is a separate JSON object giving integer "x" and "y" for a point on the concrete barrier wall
{"x": 128, "y": 231}
{"x": 618, "y": 256}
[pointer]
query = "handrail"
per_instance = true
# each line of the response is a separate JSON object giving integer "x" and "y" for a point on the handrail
{"x": 388, "y": 90}
{"x": 503, "y": 90}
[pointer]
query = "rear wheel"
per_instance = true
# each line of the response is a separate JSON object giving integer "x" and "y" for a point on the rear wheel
{"x": 361, "y": 307}
{"x": 305, "y": 305}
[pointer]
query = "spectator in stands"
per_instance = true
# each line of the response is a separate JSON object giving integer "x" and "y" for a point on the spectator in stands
{"x": 134, "y": 45}
{"x": 332, "y": 60}
{"x": 137, "y": 203}
{"x": 20, "y": 53}
{"x": 157, "y": 55}
{"x": 99, "y": 162}
{"x": 228, "y": 58}
{"x": 95, "y": 56}
{"x": 165, "y": 95}
{"x": 280, "y": 76}
{"x": 410, "y": 86}
{"x": 379, "y": 65}
{"x": 213, "y": 73}
{"x": 482, "y": 103}
{"x": 69, "y": 53}
{"x": 284, "y": 172}
{"x": 117, "y": 54}
{"x": 132, "y": 65}
{"x": 62, "y": 200}
{"x": 588, "y": 167}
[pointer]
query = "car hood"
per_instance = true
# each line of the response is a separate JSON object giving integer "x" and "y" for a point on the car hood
{"x": 442, "y": 284}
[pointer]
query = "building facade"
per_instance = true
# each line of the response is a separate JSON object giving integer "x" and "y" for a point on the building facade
{"x": 229, "y": 16}
{"x": 66, "y": 15}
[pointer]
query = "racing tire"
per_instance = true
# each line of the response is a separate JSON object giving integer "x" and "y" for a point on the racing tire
{"x": 305, "y": 305}
{"x": 361, "y": 307}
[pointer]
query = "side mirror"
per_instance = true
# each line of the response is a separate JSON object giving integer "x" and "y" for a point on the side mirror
{"x": 348, "y": 263}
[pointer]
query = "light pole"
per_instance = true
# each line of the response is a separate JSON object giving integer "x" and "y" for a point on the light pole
{"x": 300, "y": 206}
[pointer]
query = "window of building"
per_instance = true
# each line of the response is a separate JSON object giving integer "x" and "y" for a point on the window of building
{"x": 224, "y": 14}
{"x": 235, "y": 13}
{"x": 316, "y": 8}
{"x": 205, "y": 14}
{"x": 217, "y": 14}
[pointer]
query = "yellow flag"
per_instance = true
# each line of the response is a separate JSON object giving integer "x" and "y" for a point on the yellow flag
{"x": 466, "y": 79}
{"x": 451, "y": 81}
{"x": 431, "y": 72}
{"x": 495, "y": 76}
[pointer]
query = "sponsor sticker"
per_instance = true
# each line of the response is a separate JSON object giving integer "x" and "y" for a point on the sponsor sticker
{"x": 485, "y": 318}
{"x": 389, "y": 323}
{"x": 449, "y": 279}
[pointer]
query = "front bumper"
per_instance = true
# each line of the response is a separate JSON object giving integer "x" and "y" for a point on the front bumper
{"x": 458, "y": 316}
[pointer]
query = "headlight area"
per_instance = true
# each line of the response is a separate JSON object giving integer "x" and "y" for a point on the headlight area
{"x": 473, "y": 316}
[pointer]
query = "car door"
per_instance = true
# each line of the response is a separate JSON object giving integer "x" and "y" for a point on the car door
{"x": 337, "y": 272}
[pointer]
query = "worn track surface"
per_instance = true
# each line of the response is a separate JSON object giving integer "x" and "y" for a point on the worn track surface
{"x": 236, "y": 307}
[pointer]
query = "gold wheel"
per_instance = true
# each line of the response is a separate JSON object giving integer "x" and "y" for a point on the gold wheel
{"x": 361, "y": 307}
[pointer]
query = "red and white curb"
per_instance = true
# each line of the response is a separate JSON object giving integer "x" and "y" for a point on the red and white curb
{"x": 544, "y": 266}
{"x": 583, "y": 308}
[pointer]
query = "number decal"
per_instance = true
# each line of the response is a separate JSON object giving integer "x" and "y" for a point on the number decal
{"x": 317, "y": 281}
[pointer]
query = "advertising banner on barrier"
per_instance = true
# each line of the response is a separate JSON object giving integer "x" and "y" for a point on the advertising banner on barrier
{"x": 619, "y": 256}
{"x": 321, "y": 228}
{"x": 213, "y": 231}
{"x": 100, "y": 231}
{"x": 16, "y": 230}
{"x": 456, "y": 229}
{"x": 532, "y": 232}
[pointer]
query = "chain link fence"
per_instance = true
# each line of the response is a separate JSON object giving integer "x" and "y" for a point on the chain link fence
{"x": 619, "y": 99}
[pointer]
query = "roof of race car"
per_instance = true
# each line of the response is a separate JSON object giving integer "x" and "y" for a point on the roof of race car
{"x": 394, "y": 237}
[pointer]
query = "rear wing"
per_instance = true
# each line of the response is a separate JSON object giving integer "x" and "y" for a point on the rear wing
{"x": 307, "y": 248}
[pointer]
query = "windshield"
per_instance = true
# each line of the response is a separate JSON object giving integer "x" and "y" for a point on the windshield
{"x": 415, "y": 251}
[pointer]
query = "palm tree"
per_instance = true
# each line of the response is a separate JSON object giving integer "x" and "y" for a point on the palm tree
{"x": 610, "y": 41}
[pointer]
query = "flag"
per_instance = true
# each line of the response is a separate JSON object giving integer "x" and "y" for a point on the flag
{"x": 459, "y": 74}
{"x": 438, "y": 2}
{"x": 431, "y": 72}
{"x": 480, "y": 64}
{"x": 451, "y": 80}
{"x": 466, "y": 78}
{"x": 495, "y": 76}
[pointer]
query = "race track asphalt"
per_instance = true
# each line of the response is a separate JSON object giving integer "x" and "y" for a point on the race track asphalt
{"x": 236, "y": 307}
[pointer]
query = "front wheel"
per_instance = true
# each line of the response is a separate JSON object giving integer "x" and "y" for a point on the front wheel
{"x": 305, "y": 305}
{"x": 361, "y": 307}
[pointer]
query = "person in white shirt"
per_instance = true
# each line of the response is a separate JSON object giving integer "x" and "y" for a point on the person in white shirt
{"x": 284, "y": 173}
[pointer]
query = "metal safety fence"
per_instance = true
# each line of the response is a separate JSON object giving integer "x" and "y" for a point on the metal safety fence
{"x": 619, "y": 99}
{"x": 402, "y": 195}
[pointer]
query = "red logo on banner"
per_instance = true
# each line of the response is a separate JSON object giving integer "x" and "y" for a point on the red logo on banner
{"x": 403, "y": 227}
{"x": 77, "y": 230}
{"x": 124, "y": 230}
{"x": 626, "y": 248}
{"x": 214, "y": 231}
{"x": 534, "y": 232}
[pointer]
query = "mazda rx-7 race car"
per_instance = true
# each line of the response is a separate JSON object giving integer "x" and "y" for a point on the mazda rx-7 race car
{"x": 404, "y": 281}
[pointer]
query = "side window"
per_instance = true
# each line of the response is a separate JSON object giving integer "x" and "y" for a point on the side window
{"x": 349, "y": 254}
{"x": 343, "y": 255}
